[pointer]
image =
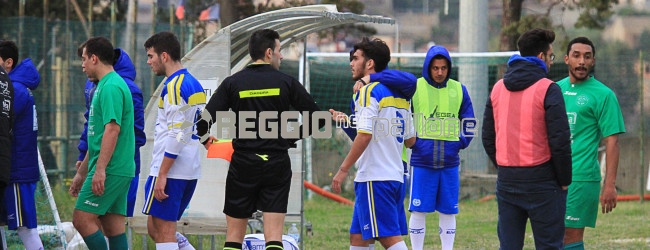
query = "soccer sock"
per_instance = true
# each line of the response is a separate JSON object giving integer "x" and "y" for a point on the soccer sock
{"x": 232, "y": 246}
{"x": 118, "y": 242}
{"x": 30, "y": 238}
{"x": 3, "y": 234}
{"x": 398, "y": 246}
{"x": 183, "y": 243}
{"x": 447, "y": 224}
{"x": 358, "y": 248}
{"x": 274, "y": 245}
{"x": 417, "y": 228}
{"x": 580, "y": 245}
{"x": 167, "y": 246}
{"x": 371, "y": 246}
{"x": 96, "y": 241}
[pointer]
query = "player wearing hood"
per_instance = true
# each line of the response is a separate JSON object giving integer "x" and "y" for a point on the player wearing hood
{"x": 526, "y": 135}
{"x": 443, "y": 116}
{"x": 19, "y": 203}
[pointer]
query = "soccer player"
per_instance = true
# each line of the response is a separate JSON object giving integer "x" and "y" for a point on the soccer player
{"x": 175, "y": 166}
{"x": 259, "y": 177}
{"x": 405, "y": 83}
{"x": 379, "y": 180}
{"x": 442, "y": 112}
{"x": 19, "y": 202}
{"x": 594, "y": 113}
{"x": 526, "y": 135}
{"x": 124, "y": 67}
{"x": 108, "y": 168}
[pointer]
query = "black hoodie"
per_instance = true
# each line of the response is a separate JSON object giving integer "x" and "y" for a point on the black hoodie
{"x": 520, "y": 75}
{"x": 6, "y": 119}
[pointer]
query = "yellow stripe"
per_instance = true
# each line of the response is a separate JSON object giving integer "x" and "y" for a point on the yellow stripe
{"x": 364, "y": 132}
{"x": 372, "y": 208}
{"x": 396, "y": 102}
{"x": 361, "y": 95}
{"x": 151, "y": 195}
{"x": 259, "y": 93}
{"x": 19, "y": 210}
{"x": 170, "y": 90}
{"x": 197, "y": 98}
{"x": 368, "y": 92}
{"x": 160, "y": 103}
{"x": 175, "y": 125}
{"x": 364, "y": 95}
{"x": 179, "y": 82}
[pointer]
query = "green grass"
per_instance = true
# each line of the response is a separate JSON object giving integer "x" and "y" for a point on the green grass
{"x": 625, "y": 228}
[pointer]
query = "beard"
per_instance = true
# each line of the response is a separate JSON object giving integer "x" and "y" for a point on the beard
{"x": 580, "y": 75}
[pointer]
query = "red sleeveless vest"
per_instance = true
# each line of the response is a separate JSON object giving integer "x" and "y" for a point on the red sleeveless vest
{"x": 521, "y": 137}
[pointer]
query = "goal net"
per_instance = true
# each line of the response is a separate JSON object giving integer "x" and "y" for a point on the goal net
{"x": 330, "y": 81}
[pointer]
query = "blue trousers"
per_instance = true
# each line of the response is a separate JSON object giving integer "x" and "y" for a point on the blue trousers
{"x": 544, "y": 203}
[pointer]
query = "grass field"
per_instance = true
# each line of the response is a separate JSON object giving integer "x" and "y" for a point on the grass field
{"x": 627, "y": 227}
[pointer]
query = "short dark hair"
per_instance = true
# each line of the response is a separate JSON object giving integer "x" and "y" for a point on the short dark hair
{"x": 374, "y": 49}
{"x": 100, "y": 47}
{"x": 534, "y": 41}
{"x": 8, "y": 49}
{"x": 165, "y": 42}
{"x": 582, "y": 40}
{"x": 439, "y": 56}
{"x": 261, "y": 40}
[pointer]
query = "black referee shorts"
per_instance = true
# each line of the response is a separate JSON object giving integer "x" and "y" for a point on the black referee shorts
{"x": 257, "y": 181}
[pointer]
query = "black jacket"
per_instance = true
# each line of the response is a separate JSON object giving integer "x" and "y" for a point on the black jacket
{"x": 6, "y": 121}
{"x": 254, "y": 80}
{"x": 520, "y": 75}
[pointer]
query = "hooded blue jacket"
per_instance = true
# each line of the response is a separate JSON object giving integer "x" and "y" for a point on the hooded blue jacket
{"x": 432, "y": 153}
{"x": 24, "y": 150}
{"x": 125, "y": 68}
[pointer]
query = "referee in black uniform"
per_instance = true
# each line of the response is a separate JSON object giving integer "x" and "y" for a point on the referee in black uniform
{"x": 259, "y": 176}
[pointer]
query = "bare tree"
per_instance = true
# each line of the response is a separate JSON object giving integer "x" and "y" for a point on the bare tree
{"x": 593, "y": 14}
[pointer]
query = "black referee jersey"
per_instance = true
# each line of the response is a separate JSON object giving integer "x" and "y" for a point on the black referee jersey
{"x": 260, "y": 87}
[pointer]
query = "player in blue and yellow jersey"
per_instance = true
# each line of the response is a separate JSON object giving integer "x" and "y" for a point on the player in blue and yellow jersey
{"x": 404, "y": 83}
{"x": 175, "y": 166}
{"x": 383, "y": 128}
{"x": 439, "y": 103}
